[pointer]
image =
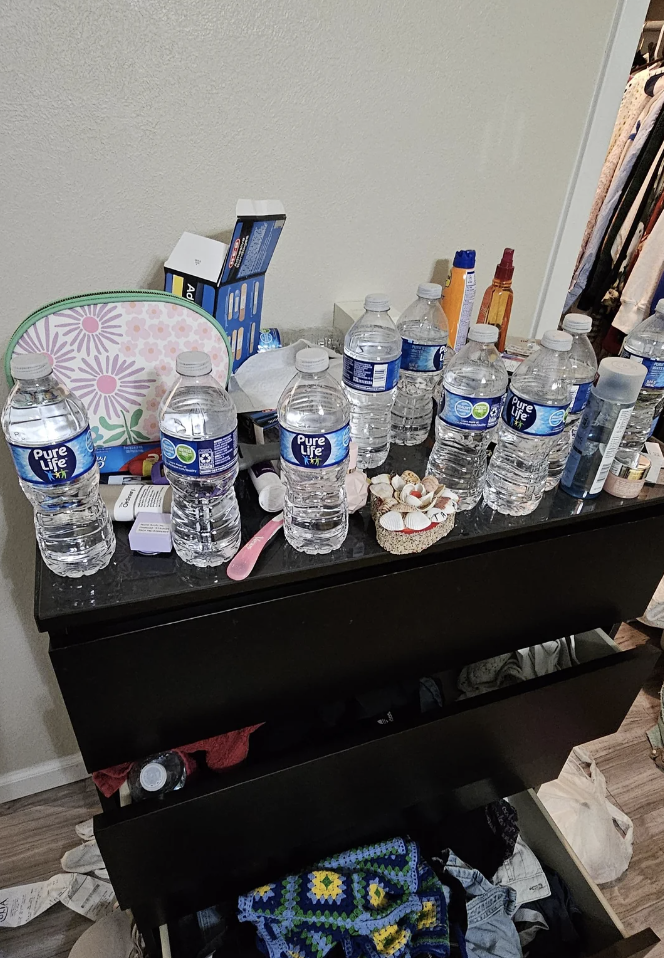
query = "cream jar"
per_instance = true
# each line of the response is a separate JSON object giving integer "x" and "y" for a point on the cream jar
{"x": 625, "y": 481}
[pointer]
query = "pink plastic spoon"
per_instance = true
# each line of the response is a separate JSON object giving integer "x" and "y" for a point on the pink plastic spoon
{"x": 242, "y": 564}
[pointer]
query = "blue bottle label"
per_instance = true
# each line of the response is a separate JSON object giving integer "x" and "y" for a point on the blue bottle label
{"x": 199, "y": 457}
{"x": 371, "y": 377}
{"x": 655, "y": 374}
{"x": 420, "y": 358}
{"x": 469, "y": 412}
{"x": 56, "y": 463}
{"x": 315, "y": 450}
{"x": 533, "y": 418}
{"x": 580, "y": 397}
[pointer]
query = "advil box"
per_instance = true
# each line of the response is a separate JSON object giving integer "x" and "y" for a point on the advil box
{"x": 228, "y": 282}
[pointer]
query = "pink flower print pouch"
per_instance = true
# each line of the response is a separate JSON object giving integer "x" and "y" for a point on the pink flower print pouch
{"x": 117, "y": 351}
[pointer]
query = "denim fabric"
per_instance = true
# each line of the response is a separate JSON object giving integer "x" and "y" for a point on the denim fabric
{"x": 491, "y": 932}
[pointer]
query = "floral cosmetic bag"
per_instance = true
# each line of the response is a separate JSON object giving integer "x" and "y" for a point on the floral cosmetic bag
{"x": 117, "y": 351}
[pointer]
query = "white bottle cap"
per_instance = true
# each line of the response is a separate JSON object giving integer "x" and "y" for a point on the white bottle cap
{"x": 153, "y": 777}
{"x": 30, "y": 365}
{"x": 577, "y": 323}
{"x": 430, "y": 290}
{"x": 377, "y": 302}
{"x": 193, "y": 364}
{"x": 620, "y": 380}
{"x": 483, "y": 333}
{"x": 557, "y": 339}
{"x": 313, "y": 359}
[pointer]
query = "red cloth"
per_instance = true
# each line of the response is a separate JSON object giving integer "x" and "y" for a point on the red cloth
{"x": 221, "y": 751}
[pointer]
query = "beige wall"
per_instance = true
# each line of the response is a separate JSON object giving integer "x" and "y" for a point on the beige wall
{"x": 393, "y": 131}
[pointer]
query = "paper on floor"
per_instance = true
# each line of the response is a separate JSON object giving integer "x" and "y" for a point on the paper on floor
{"x": 88, "y": 896}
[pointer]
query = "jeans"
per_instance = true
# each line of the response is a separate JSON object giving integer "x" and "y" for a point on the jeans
{"x": 491, "y": 932}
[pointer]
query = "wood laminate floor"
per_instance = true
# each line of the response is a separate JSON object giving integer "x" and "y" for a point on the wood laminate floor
{"x": 36, "y": 831}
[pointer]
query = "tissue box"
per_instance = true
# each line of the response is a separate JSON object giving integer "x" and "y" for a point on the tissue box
{"x": 228, "y": 282}
{"x": 193, "y": 270}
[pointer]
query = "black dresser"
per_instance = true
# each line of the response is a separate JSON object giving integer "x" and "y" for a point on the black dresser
{"x": 152, "y": 654}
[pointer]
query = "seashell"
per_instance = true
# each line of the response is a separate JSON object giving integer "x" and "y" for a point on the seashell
{"x": 417, "y": 521}
{"x": 379, "y": 480}
{"x": 426, "y": 500}
{"x": 412, "y": 489}
{"x": 436, "y": 515}
{"x": 392, "y": 521}
{"x": 382, "y": 506}
{"x": 410, "y": 476}
{"x": 398, "y": 483}
{"x": 449, "y": 494}
{"x": 442, "y": 502}
{"x": 430, "y": 484}
{"x": 404, "y": 508}
{"x": 382, "y": 490}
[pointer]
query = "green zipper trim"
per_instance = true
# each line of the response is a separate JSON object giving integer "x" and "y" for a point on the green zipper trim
{"x": 112, "y": 296}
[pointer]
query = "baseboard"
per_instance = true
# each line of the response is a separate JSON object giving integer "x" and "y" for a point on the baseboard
{"x": 38, "y": 778}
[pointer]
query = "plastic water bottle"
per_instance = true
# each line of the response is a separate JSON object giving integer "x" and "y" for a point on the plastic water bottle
{"x": 474, "y": 386}
{"x": 602, "y": 426}
{"x": 533, "y": 415}
{"x": 584, "y": 367}
{"x": 646, "y": 344}
{"x": 49, "y": 438}
{"x": 372, "y": 356}
{"x": 423, "y": 329}
{"x": 156, "y": 775}
{"x": 198, "y": 424}
{"x": 315, "y": 438}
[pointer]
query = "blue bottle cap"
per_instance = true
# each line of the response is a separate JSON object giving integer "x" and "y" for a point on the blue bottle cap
{"x": 465, "y": 258}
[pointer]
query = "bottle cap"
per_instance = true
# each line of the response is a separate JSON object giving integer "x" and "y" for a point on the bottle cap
{"x": 619, "y": 380}
{"x": 377, "y": 302}
{"x": 312, "y": 359}
{"x": 577, "y": 323}
{"x": 557, "y": 339}
{"x": 483, "y": 333}
{"x": 30, "y": 365}
{"x": 153, "y": 775}
{"x": 464, "y": 258}
{"x": 193, "y": 364}
{"x": 505, "y": 268}
{"x": 430, "y": 290}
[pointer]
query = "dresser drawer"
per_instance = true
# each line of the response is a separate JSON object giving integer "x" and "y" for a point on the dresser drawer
{"x": 602, "y": 931}
{"x": 226, "y": 833}
{"x": 160, "y": 683}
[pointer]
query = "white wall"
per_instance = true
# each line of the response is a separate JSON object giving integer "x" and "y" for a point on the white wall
{"x": 393, "y": 131}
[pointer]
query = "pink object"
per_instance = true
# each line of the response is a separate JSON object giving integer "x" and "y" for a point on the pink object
{"x": 240, "y": 567}
{"x": 221, "y": 751}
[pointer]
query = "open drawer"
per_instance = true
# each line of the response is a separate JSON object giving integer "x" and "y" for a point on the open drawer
{"x": 602, "y": 932}
{"x": 223, "y": 834}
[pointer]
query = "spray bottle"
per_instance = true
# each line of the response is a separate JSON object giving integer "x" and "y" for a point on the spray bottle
{"x": 497, "y": 301}
{"x": 459, "y": 296}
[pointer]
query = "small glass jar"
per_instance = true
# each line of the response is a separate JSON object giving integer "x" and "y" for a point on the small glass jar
{"x": 625, "y": 481}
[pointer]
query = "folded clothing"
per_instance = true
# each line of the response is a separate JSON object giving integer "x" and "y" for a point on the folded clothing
{"x": 221, "y": 751}
{"x": 376, "y": 901}
{"x": 519, "y": 666}
{"x": 549, "y": 928}
{"x": 490, "y": 931}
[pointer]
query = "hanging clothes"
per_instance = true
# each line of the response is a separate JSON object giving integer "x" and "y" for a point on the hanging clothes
{"x": 648, "y": 136}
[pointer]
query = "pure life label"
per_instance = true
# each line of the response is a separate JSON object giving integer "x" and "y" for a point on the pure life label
{"x": 56, "y": 463}
{"x": 315, "y": 450}
{"x": 533, "y": 418}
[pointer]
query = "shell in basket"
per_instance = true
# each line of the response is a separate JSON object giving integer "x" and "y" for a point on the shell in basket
{"x": 410, "y": 514}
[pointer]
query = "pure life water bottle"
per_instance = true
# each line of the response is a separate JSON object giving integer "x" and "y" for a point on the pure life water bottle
{"x": 198, "y": 424}
{"x": 48, "y": 434}
{"x": 315, "y": 439}
{"x": 533, "y": 416}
